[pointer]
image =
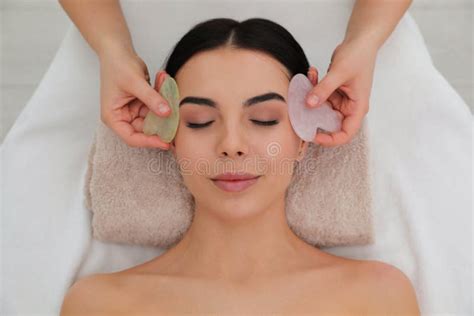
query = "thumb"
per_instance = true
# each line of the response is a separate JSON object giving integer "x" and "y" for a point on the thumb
{"x": 151, "y": 98}
{"x": 321, "y": 92}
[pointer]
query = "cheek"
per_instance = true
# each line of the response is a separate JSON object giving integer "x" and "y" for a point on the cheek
{"x": 193, "y": 156}
{"x": 283, "y": 143}
{"x": 186, "y": 144}
{"x": 279, "y": 153}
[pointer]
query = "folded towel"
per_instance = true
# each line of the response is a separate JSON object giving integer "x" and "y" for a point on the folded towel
{"x": 328, "y": 201}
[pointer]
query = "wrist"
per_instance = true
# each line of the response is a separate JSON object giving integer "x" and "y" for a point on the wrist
{"x": 115, "y": 48}
{"x": 371, "y": 41}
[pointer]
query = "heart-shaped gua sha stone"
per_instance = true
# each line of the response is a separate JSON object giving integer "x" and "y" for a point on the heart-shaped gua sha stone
{"x": 304, "y": 120}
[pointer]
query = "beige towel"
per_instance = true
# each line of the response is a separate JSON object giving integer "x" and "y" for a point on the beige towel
{"x": 133, "y": 202}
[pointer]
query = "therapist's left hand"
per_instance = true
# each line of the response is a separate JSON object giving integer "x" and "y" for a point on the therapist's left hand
{"x": 347, "y": 86}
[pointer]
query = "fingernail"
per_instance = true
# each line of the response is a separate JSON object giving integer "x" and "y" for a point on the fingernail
{"x": 313, "y": 100}
{"x": 162, "y": 108}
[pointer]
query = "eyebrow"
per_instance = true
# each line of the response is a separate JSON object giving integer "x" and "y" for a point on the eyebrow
{"x": 254, "y": 100}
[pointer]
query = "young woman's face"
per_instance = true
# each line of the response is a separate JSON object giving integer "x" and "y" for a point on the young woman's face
{"x": 224, "y": 128}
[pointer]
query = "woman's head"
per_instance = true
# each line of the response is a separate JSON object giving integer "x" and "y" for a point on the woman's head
{"x": 233, "y": 80}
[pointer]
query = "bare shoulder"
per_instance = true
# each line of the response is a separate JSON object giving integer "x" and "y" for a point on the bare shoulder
{"x": 90, "y": 295}
{"x": 388, "y": 289}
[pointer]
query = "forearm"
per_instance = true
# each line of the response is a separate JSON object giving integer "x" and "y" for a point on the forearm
{"x": 101, "y": 23}
{"x": 374, "y": 20}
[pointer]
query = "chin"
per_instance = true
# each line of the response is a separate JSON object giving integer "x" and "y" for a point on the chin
{"x": 232, "y": 205}
{"x": 239, "y": 212}
{"x": 236, "y": 207}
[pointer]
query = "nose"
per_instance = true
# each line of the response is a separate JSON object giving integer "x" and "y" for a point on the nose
{"x": 233, "y": 143}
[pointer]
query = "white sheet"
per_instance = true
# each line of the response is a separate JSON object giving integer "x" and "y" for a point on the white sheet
{"x": 420, "y": 136}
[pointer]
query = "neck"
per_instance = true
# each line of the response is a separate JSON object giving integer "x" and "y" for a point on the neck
{"x": 239, "y": 249}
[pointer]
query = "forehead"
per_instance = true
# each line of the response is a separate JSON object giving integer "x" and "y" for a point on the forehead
{"x": 239, "y": 73}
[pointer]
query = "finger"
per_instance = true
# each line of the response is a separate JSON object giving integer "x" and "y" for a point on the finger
{"x": 324, "y": 89}
{"x": 135, "y": 106}
{"x": 313, "y": 75}
{"x": 350, "y": 126}
{"x": 312, "y": 78}
{"x": 143, "y": 110}
{"x": 138, "y": 124}
{"x": 150, "y": 97}
{"x": 336, "y": 100}
{"x": 137, "y": 139}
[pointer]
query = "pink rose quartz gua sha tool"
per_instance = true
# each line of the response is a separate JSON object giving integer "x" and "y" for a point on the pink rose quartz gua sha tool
{"x": 304, "y": 120}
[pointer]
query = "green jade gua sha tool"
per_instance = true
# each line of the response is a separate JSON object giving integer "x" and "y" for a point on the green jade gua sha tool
{"x": 165, "y": 127}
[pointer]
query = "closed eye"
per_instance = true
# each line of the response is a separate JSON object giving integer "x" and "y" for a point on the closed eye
{"x": 262, "y": 123}
{"x": 265, "y": 123}
{"x": 196, "y": 125}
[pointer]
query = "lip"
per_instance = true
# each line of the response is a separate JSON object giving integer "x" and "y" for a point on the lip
{"x": 235, "y": 182}
{"x": 235, "y": 176}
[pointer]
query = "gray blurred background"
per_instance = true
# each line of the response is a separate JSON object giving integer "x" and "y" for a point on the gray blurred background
{"x": 32, "y": 30}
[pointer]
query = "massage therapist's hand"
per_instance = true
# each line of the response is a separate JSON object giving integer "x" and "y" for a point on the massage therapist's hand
{"x": 126, "y": 96}
{"x": 347, "y": 87}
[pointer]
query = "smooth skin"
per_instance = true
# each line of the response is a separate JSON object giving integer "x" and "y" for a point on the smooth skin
{"x": 127, "y": 96}
{"x": 239, "y": 256}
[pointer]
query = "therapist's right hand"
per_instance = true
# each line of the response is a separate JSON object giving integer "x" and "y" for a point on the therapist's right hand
{"x": 126, "y": 96}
